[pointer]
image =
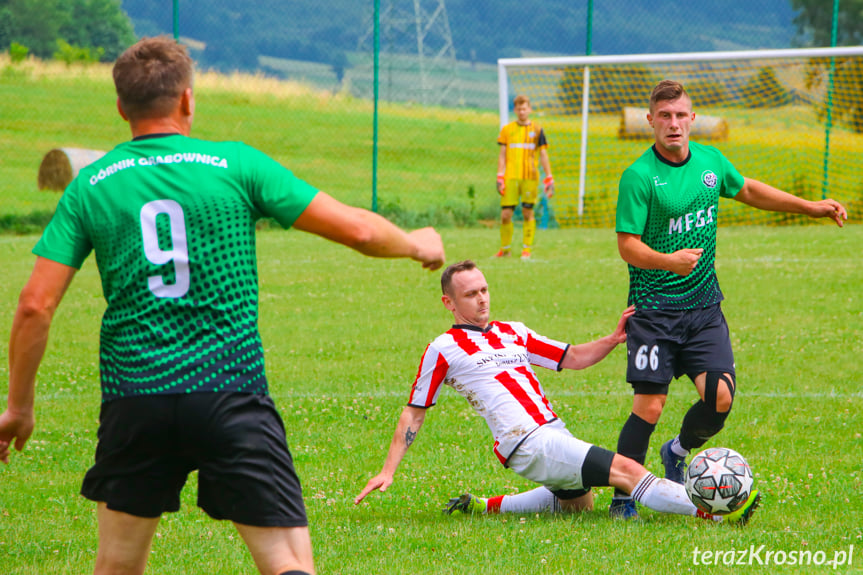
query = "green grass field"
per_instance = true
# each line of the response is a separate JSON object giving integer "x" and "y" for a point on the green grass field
{"x": 428, "y": 158}
{"x": 343, "y": 336}
{"x": 435, "y": 165}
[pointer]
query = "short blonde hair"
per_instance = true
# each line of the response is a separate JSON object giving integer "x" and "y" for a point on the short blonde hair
{"x": 519, "y": 100}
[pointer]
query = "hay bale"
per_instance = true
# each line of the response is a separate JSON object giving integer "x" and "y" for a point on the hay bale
{"x": 61, "y": 165}
{"x": 634, "y": 126}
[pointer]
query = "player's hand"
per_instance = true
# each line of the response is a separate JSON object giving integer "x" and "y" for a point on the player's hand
{"x": 830, "y": 209}
{"x": 379, "y": 482}
{"x": 17, "y": 426}
{"x": 684, "y": 261}
{"x": 428, "y": 248}
{"x": 619, "y": 334}
{"x": 548, "y": 183}
{"x": 501, "y": 184}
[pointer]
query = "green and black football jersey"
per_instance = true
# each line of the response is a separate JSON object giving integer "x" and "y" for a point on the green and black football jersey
{"x": 672, "y": 207}
{"x": 171, "y": 220}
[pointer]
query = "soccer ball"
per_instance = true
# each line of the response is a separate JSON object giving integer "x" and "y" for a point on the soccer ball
{"x": 718, "y": 480}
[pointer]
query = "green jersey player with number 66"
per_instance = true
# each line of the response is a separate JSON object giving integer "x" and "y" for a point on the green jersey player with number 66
{"x": 667, "y": 214}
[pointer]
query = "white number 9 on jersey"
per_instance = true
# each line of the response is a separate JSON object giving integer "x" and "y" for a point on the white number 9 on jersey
{"x": 179, "y": 252}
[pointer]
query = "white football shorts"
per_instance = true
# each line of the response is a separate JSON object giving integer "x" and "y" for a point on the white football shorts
{"x": 551, "y": 456}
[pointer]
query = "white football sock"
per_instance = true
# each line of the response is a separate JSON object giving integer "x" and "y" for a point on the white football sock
{"x": 677, "y": 449}
{"x": 537, "y": 500}
{"x": 663, "y": 495}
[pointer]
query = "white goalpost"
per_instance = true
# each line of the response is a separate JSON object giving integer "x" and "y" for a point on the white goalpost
{"x": 729, "y": 81}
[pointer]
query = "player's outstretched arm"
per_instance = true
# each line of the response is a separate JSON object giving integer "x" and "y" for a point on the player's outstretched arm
{"x": 635, "y": 252}
{"x": 369, "y": 233}
{"x": 406, "y": 431}
{"x": 765, "y": 197}
{"x": 587, "y": 354}
{"x": 27, "y": 342}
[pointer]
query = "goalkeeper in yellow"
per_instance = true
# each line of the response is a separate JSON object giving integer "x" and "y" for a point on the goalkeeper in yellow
{"x": 522, "y": 146}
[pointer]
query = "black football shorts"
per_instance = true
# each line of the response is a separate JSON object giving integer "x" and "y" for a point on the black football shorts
{"x": 662, "y": 345}
{"x": 148, "y": 446}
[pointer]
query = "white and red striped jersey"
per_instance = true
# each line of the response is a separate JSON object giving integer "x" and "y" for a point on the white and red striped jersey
{"x": 492, "y": 369}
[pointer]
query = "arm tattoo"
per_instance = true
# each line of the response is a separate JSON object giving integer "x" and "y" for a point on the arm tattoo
{"x": 410, "y": 436}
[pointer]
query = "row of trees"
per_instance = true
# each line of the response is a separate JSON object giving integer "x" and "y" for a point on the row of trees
{"x": 814, "y": 21}
{"x": 46, "y": 26}
{"x": 235, "y": 33}
{"x": 484, "y": 30}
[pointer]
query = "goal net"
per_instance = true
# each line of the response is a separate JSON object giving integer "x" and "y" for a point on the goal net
{"x": 791, "y": 118}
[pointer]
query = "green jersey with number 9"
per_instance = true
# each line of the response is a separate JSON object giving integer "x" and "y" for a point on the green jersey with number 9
{"x": 171, "y": 220}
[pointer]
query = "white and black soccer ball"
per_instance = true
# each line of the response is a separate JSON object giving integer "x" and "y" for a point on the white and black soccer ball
{"x": 718, "y": 480}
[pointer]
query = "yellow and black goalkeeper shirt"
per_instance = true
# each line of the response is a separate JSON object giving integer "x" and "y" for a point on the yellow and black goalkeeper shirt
{"x": 522, "y": 149}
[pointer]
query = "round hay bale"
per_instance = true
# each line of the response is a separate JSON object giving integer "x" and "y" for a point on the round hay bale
{"x": 61, "y": 165}
{"x": 634, "y": 126}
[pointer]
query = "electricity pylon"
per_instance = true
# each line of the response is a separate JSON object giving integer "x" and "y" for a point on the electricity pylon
{"x": 417, "y": 58}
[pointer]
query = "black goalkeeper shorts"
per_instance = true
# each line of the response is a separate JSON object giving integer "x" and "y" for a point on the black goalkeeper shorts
{"x": 149, "y": 445}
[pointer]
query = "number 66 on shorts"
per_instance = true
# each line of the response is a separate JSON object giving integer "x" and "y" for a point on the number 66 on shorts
{"x": 662, "y": 345}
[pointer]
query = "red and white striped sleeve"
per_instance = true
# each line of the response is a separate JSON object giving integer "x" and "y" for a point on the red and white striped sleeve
{"x": 545, "y": 352}
{"x": 430, "y": 375}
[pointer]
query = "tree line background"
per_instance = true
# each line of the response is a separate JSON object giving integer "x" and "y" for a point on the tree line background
{"x": 235, "y": 34}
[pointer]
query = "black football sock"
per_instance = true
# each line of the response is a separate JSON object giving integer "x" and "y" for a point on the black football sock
{"x": 633, "y": 442}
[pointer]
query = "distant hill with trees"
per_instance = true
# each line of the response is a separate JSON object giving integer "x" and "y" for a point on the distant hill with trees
{"x": 46, "y": 27}
{"x": 236, "y": 33}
